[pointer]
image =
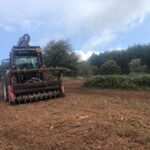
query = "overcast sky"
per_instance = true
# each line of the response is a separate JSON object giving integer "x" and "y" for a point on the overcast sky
{"x": 90, "y": 25}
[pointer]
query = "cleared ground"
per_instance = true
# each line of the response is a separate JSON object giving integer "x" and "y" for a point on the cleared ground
{"x": 86, "y": 119}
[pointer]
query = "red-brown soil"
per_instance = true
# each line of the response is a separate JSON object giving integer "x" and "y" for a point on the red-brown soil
{"x": 86, "y": 119}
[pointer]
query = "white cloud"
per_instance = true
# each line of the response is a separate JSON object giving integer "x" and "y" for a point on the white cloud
{"x": 84, "y": 55}
{"x": 118, "y": 48}
{"x": 102, "y": 39}
{"x": 101, "y": 20}
{"x": 7, "y": 28}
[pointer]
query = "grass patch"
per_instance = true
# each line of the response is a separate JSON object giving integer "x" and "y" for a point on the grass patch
{"x": 127, "y": 104}
{"x": 146, "y": 139}
{"x": 141, "y": 106}
{"x": 120, "y": 81}
{"x": 135, "y": 136}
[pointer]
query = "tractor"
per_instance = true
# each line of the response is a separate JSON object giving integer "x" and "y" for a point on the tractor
{"x": 26, "y": 79}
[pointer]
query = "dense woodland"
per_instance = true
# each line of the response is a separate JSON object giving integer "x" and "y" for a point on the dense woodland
{"x": 124, "y": 57}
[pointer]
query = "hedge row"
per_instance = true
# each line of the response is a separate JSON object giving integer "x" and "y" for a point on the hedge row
{"x": 119, "y": 81}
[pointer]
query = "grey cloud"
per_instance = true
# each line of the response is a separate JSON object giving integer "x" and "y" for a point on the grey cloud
{"x": 100, "y": 19}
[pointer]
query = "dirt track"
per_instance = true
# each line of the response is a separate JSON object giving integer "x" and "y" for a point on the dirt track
{"x": 85, "y": 119}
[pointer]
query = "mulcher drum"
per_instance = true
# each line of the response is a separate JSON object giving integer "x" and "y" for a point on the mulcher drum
{"x": 30, "y": 92}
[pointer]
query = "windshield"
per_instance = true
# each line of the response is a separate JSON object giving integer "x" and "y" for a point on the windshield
{"x": 26, "y": 62}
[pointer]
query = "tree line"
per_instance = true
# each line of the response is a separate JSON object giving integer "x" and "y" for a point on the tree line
{"x": 134, "y": 56}
{"x": 135, "y": 59}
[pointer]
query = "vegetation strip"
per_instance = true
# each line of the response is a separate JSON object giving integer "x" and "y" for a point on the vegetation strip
{"x": 119, "y": 81}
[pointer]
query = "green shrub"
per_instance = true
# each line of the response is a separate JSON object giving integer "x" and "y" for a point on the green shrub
{"x": 136, "y": 66}
{"x": 119, "y": 81}
{"x": 110, "y": 67}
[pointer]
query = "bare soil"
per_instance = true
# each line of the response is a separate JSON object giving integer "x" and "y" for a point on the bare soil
{"x": 86, "y": 119}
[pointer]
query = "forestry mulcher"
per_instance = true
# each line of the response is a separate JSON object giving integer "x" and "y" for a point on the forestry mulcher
{"x": 26, "y": 79}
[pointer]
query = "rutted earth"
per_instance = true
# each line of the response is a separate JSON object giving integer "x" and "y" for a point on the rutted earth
{"x": 86, "y": 119}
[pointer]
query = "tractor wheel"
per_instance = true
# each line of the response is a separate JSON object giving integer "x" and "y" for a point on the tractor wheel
{"x": 4, "y": 92}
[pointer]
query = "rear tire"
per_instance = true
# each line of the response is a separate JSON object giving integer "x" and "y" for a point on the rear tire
{"x": 4, "y": 92}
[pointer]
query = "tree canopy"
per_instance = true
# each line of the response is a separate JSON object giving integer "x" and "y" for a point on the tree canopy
{"x": 59, "y": 54}
{"x": 110, "y": 67}
{"x": 136, "y": 66}
{"x": 124, "y": 57}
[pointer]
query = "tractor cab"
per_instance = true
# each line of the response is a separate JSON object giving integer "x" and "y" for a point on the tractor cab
{"x": 26, "y": 57}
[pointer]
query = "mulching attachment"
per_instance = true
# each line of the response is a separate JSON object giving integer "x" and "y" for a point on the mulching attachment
{"x": 27, "y": 98}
